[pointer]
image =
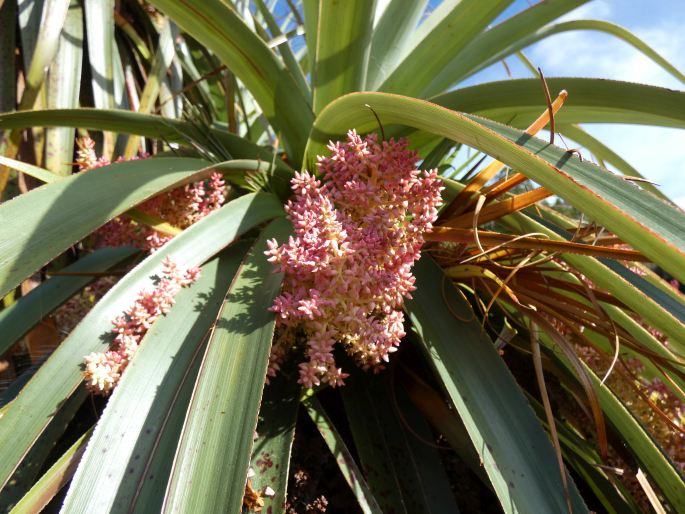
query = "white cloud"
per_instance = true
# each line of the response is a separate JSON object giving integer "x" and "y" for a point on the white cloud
{"x": 595, "y": 54}
{"x": 589, "y": 11}
{"x": 656, "y": 152}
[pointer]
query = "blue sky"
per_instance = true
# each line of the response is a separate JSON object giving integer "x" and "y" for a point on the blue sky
{"x": 659, "y": 154}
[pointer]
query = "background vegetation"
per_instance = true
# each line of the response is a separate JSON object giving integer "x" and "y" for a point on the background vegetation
{"x": 543, "y": 369}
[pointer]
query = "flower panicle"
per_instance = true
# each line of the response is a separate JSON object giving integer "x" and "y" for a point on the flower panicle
{"x": 104, "y": 369}
{"x": 347, "y": 267}
{"x": 180, "y": 207}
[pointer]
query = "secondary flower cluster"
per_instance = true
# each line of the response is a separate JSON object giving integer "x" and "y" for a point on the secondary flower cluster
{"x": 71, "y": 312}
{"x": 348, "y": 266}
{"x": 669, "y": 405}
{"x": 103, "y": 370}
{"x": 180, "y": 207}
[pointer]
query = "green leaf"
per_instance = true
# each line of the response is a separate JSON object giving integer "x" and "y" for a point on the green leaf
{"x": 39, "y": 225}
{"x": 275, "y": 431}
{"x": 626, "y": 319}
{"x": 29, "y": 18}
{"x": 150, "y": 493}
{"x": 26, "y": 472}
{"x": 310, "y": 9}
{"x": 342, "y": 53}
{"x": 606, "y": 154}
{"x": 639, "y": 218}
{"x": 657, "y": 308}
{"x": 53, "y": 480}
{"x": 54, "y": 13}
{"x": 47, "y": 44}
{"x": 222, "y": 30}
{"x": 247, "y": 174}
{"x": 435, "y": 158}
{"x": 440, "y": 39}
{"x": 348, "y": 467}
{"x": 63, "y": 88}
{"x": 157, "y": 74}
{"x": 114, "y": 468}
{"x": 284, "y": 49}
{"x": 518, "y": 102}
{"x": 40, "y": 399}
{"x": 651, "y": 457}
{"x": 404, "y": 473}
{"x": 121, "y": 93}
{"x": 100, "y": 35}
{"x": 391, "y": 36}
{"x": 17, "y": 319}
{"x": 442, "y": 417}
{"x": 515, "y": 450}
{"x": 151, "y": 490}
{"x": 34, "y": 171}
{"x": 148, "y": 125}
{"x": 666, "y": 301}
{"x": 584, "y": 459}
{"x": 493, "y": 44}
{"x": 196, "y": 65}
{"x": 213, "y": 456}
{"x": 135, "y": 39}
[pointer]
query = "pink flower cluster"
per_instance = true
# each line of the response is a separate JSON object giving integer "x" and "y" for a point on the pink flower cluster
{"x": 348, "y": 266}
{"x": 86, "y": 158}
{"x": 180, "y": 207}
{"x": 624, "y": 385}
{"x": 103, "y": 370}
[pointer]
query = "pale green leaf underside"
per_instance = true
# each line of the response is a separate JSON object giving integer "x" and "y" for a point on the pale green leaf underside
{"x": 41, "y": 398}
{"x": 213, "y": 456}
{"x": 37, "y": 226}
{"x": 115, "y": 466}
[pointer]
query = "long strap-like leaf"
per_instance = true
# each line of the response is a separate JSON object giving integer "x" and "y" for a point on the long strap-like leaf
{"x": 342, "y": 52}
{"x": 518, "y": 102}
{"x": 439, "y": 39}
{"x": 650, "y": 225}
{"x": 114, "y": 468}
{"x": 37, "y": 226}
{"x": 148, "y": 125}
{"x": 217, "y": 26}
{"x": 21, "y": 316}
{"x": 213, "y": 456}
{"x": 495, "y": 41}
{"x": 513, "y": 447}
{"x": 63, "y": 88}
{"x": 41, "y": 398}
